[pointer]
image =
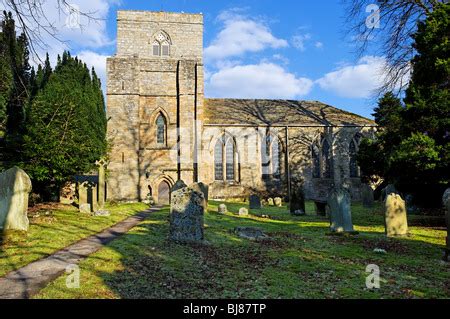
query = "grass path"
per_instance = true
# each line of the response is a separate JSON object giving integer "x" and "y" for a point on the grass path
{"x": 300, "y": 261}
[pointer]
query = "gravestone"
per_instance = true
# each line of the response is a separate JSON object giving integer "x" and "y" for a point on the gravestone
{"x": 254, "y": 202}
{"x": 250, "y": 233}
{"x": 340, "y": 211}
{"x": 87, "y": 194}
{"x": 222, "y": 209}
{"x": 101, "y": 182}
{"x": 84, "y": 208}
{"x": 278, "y": 201}
{"x": 15, "y": 186}
{"x": 205, "y": 190}
{"x": 410, "y": 207}
{"x": 389, "y": 189}
{"x": 396, "y": 221}
{"x": 178, "y": 185}
{"x": 321, "y": 208}
{"x": 446, "y": 202}
{"x": 201, "y": 188}
{"x": 297, "y": 202}
{"x": 187, "y": 208}
{"x": 367, "y": 196}
{"x": 270, "y": 202}
{"x": 243, "y": 211}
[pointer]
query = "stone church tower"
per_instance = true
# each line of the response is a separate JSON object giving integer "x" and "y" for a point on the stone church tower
{"x": 154, "y": 103}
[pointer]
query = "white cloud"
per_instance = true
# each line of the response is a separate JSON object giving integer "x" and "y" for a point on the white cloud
{"x": 355, "y": 81}
{"x": 318, "y": 45}
{"x": 263, "y": 80}
{"x": 239, "y": 35}
{"x": 299, "y": 41}
{"x": 98, "y": 61}
{"x": 70, "y": 29}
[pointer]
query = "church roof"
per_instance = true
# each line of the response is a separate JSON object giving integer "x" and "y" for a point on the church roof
{"x": 278, "y": 113}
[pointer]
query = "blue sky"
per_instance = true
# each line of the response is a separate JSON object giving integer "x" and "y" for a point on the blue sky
{"x": 253, "y": 48}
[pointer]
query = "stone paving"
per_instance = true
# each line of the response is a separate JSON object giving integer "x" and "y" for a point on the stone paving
{"x": 30, "y": 279}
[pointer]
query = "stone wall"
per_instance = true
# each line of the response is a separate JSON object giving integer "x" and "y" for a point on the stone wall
{"x": 142, "y": 86}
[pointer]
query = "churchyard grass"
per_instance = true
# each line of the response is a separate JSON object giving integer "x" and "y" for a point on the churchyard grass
{"x": 54, "y": 229}
{"x": 300, "y": 261}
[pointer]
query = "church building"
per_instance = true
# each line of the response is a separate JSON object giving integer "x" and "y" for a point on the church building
{"x": 162, "y": 128}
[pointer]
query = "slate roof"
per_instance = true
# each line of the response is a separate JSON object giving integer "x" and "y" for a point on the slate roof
{"x": 278, "y": 113}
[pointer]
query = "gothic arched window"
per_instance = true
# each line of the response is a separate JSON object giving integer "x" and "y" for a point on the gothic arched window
{"x": 225, "y": 159}
{"x": 270, "y": 157}
{"x": 352, "y": 153}
{"x": 161, "y": 44}
{"x": 326, "y": 159}
{"x": 161, "y": 129}
{"x": 315, "y": 154}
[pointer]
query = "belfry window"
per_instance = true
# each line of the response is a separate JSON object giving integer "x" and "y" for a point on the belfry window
{"x": 161, "y": 44}
{"x": 225, "y": 159}
{"x": 161, "y": 129}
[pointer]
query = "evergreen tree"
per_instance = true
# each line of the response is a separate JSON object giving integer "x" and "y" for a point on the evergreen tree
{"x": 66, "y": 126}
{"x": 412, "y": 148}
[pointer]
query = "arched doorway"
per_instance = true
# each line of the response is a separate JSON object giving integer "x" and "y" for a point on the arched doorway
{"x": 164, "y": 193}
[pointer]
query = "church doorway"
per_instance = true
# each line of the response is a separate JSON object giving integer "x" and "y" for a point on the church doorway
{"x": 164, "y": 193}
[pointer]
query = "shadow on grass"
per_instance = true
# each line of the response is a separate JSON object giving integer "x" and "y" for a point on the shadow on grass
{"x": 147, "y": 265}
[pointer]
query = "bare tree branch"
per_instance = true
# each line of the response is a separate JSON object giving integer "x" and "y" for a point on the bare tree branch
{"x": 393, "y": 38}
{"x": 35, "y": 23}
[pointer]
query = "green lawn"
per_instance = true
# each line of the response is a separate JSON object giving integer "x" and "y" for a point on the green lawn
{"x": 55, "y": 230}
{"x": 300, "y": 261}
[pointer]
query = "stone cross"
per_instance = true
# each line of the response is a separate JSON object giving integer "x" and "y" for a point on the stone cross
{"x": 101, "y": 182}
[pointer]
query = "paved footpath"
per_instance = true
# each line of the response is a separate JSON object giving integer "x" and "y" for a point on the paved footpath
{"x": 30, "y": 279}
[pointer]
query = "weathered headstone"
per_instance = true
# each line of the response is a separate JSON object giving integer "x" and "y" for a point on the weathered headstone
{"x": 321, "y": 208}
{"x": 243, "y": 211}
{"x": 270, "y": 202}
{"x": 297, "y": 202}
{"x": 222, "y": 209}
{"x": 254, "y": 202}
{"x": 84, "y": 208}
{"x": 101, "y": 182}
{"x": 200, "y": 188}
{"x": 278, "y": 201}
{"x": 15, "y": 186}
{"x": 187, "y": 208}
{"x": 410, "y": 207}
{"x": 340, "y": 211}
{"x": 367, "y": 196}
{"x": 250, "y": 233}
{"x": 395, "y": 216}
{"x": 178, "y": 185}
{"x": 87, "y": 194}
{"x": 446, "y": 202}
{"x": 389, "y": 189}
